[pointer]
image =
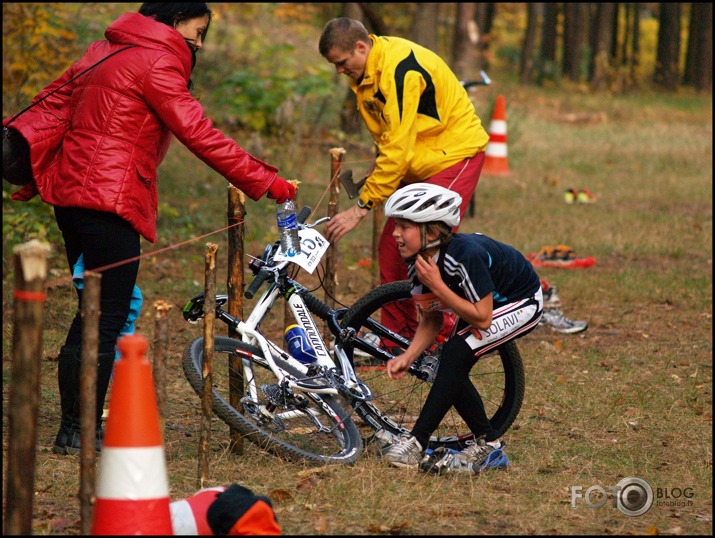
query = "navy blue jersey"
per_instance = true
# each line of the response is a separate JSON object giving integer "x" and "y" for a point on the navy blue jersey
{"x": 473, "y": 266}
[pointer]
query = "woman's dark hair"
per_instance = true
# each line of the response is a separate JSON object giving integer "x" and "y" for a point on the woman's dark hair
{"x": 171, "y": 13}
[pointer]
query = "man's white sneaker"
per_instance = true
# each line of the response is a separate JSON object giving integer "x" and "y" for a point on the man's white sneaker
{"x": 406, "y": 452}
{"x": 558, "y": 322}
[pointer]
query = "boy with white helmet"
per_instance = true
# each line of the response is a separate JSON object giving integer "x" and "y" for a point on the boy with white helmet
{"x": 496, "y": 295}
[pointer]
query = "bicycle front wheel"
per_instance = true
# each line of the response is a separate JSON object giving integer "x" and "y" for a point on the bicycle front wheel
{"x": 298, "y": 426}
{"x": 498, "y": 376}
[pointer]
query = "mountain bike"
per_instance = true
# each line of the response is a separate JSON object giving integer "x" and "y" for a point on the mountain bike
{"x": 315, "y": 412}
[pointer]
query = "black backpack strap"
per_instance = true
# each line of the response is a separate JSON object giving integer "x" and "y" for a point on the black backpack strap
{"x": 65, "y": 84}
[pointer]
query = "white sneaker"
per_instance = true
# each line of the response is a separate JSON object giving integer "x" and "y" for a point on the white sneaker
{"x": 406, "y": 452}
{"x": 383, "y": 440}
{"x": 558, "y": 322}
{"x": 472, "y": 460}
{"x": 477, "y": 451}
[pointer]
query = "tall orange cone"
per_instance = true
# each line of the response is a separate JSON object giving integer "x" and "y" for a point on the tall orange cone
{"x": 495, "y": 162}
{"x": 133, "y": 489}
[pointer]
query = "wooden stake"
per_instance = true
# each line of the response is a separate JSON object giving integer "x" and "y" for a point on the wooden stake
{"x": 207, "y": 363}
{"x": 331, "y": 256}
{"x": 234, "y": 287}
{"x": 161, "y": 348}
{"x": 30, "y": 280}
{"x": 88, "y": 397}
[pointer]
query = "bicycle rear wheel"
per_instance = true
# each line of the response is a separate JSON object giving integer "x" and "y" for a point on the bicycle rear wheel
{"x": 498, "y": 376}
{"x": 298, "y": 426}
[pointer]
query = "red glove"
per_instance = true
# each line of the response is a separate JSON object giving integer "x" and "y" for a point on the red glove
{"x": 281, "y": 190}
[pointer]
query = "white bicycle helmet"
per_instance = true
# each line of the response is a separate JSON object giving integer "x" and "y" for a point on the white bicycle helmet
{"x": 424, "y": 202}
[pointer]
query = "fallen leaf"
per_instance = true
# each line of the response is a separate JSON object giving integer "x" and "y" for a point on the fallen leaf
{"x": 59, "y": 525}
{"x": 307, "y": 484}
{"x": 321, "y": 525}
{"x": 384, "y": 529}
{"x": 312, "y": 471}
{"x": 280, "y": 494}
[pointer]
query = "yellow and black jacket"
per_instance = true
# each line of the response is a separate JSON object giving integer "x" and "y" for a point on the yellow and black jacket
{"x": 418, "y": 113}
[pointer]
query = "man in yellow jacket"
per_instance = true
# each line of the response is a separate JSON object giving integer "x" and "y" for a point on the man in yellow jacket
{"x": 423, "y": 123}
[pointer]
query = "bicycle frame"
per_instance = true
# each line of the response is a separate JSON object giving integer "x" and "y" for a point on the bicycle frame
{"x": 249, "y": 332}
{"x": 321, "y": 377}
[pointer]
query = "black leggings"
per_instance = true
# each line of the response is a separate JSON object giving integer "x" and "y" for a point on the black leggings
{"x": 452, "y": 387}
{"x": 103, "y": 238}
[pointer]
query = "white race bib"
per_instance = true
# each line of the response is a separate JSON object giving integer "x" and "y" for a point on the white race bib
{"x": 312, "y": 248}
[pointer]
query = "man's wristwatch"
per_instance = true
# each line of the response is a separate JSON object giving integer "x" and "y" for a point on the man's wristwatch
{"x": 363, "y": 205}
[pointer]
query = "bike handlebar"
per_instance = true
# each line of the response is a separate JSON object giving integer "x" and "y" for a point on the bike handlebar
{"x": 257, "y": 283}
{"x": 304, "y": 214}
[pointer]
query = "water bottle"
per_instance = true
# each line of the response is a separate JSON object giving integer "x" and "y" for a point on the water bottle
{"x": 298, "y": 345}
{"x": 288, "y": 228}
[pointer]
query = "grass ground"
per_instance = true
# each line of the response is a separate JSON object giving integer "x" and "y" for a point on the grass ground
{"x": 630, "y": 397}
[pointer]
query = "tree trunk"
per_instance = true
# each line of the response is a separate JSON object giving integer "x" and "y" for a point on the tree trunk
{"x": 465, "y": 52}
{"x": 547, "y": 69}
{"x": 614, "y": 35}
{"x": 600, "y": 41}
{"x": 667, "y": 61}
{"x": 425, "y": 25}
{"x": 691, "y": 52}
{"x": 527, "y": 50}
{"x": 574, "y": 32}
{"x": 635, "y": 46}
{"x": 627, "y": 29}
{"x": 704, "y": 71}
{"x": 484, "y": 17}
{"x": 699, "y": 59}
{"x": 376, "y": 23}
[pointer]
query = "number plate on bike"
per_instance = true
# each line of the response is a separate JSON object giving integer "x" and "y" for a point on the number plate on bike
{"x": 312, "y": 247}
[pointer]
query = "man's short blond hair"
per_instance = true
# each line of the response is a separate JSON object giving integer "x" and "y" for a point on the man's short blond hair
{"x": 342, "y": 33}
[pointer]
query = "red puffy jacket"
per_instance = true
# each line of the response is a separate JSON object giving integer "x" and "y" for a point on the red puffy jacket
{"x": 97, "y": 142}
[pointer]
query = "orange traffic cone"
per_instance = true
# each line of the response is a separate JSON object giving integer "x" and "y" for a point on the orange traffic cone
{"x": 133, "y": 489}
{"x": 495, "y": 162}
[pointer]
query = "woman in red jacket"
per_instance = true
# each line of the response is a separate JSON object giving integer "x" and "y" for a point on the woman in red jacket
{"x": 95, "y": 147}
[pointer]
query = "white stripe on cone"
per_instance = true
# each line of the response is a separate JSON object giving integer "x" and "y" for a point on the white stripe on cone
{"x": 133, "y": 474}
{"x": 496, "y": 149}
{"x": 497, "y": 127}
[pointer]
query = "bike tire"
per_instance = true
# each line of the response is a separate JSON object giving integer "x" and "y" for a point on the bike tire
{"x": 498, "y": 376}
{"x": 291, "y": 433}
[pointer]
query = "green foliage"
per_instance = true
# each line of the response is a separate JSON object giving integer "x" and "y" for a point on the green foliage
{"x": 41, "y": 40}
{"x": 273, "y": 102}
{"x": 22, "y": 222}
{"x": 262, "y": 78}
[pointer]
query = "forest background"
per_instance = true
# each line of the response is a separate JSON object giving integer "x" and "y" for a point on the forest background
{"x": 612, "y": 97}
